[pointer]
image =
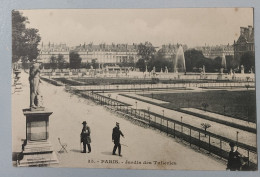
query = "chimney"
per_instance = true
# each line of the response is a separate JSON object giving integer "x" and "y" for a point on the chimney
{"x": 250, "y": 28}
{"x": 242, "y": 29}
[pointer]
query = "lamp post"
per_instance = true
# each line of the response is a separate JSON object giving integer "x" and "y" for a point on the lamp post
{"x": 135, "y": 107}
{"x": 181, "y": 126}
{"x": 163, "y": 113}
{"x": 237, "y": 136}
{"x": 162, "y": 118}
{"x": 148, "y": 109}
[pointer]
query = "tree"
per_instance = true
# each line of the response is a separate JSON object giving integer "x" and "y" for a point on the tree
{"x": 205, "y": 126}
{"x": 127, "y": 62}
{"x": 158, "y": 61}
{"x": 146, "y": 51}
{"x": 94, "y": 63}
{"x": 60, "y": 61}
{"x": 217, "y": 62}
{"x": 205, "y": 105}
{"x": 32, "y": 40}
{"x": 141, "y": 65}
{"x": 88, "y": 65}
{"x": 195, "y": 59}
{"x": 24, "y": 40}
{"x": 248, "y": 61}
{"x": 53, "y": 62}
{"x": 75, "y": 60}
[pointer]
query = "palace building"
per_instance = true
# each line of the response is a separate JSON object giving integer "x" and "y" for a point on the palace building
{"x": 216, "y": 51}
{"x": 245, "y": 42}
{"x": 102, "y": 53}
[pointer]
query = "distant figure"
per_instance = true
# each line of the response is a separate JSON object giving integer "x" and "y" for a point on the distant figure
{"x": 34, "y": 79}
{"x": 85, "y": 137}
{"x": 116, "y": 138}
{"x": 234, "y": 159}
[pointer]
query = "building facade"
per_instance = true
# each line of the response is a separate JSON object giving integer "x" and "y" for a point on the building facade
{"x": 245, "y": 42}
{"x": 169, "y": 50}
{"x": 102, "y": 53}
{"x": 108, "y": 53}
{"x": 46, "y": 51}
{"x": 216, "y": 51}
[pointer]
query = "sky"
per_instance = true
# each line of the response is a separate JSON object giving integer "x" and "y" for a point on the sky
{"x": 191, "y": 26}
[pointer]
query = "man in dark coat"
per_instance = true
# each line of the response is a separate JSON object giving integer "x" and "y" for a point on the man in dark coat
{"x": 234, "y": 158}
{"x": 116, "y": 138}
{"x": 85, "y": 137}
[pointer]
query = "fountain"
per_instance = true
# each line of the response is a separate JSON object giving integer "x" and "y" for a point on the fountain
{"x": 179, "y": 62}
{"x": 223, "y": 61}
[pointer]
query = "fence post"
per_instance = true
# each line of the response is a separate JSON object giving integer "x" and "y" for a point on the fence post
{"x": 167, "y": 127}
{"x": 248, "y": 162}
{"x": 199, "y": 140}
{"x": 209, "y": 144}
{"x": 190, "y": 136}
{"x": 161, "y": 124}
{"x": 174, "y": 129}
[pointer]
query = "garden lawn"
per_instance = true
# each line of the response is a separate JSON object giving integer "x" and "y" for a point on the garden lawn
{"x": 237, "y": 104}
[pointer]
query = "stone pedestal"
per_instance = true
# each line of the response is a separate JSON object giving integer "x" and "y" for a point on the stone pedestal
{"x": 37, "y": 150}
{"x": 220, "y": 76}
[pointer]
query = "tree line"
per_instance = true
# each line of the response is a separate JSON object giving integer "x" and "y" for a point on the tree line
{"x": 194, "y": 60}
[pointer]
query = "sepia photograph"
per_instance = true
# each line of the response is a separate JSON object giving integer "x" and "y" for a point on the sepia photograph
{"x": 161, "y": 89}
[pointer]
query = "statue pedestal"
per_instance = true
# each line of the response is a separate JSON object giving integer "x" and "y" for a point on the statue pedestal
{"x": 37, "y": 150}
{"x": 220, "y": 76}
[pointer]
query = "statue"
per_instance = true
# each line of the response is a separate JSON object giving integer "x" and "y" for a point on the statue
{"x": 203, "y": 69}
{"x": 34, "y": 79}
{"x": 166, "y": 69}
{"x": 242, "y": 69}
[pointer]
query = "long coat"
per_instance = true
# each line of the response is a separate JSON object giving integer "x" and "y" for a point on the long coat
{"x": 85, "y": 135}
{"x": 234, "y": 161}
{"x": 116, "y": 135}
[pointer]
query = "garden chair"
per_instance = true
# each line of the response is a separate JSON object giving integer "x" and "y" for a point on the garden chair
{"x": 63, "y": 147}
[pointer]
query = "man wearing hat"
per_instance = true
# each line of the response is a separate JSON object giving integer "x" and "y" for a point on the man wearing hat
{"x": 234, "y": 158}
{"x": 116, "y": 138}
{"x": 85, "y": 137}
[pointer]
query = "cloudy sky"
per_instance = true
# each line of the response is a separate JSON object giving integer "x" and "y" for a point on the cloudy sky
{"x": 193, "y": 26}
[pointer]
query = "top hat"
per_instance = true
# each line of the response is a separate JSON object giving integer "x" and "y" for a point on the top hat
{"x": 231, "y": 144}
{"x": 84, "y": 122}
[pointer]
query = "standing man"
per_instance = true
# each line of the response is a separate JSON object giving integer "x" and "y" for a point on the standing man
{"x": 234, "y": 158}
{"x": 85, "y": 137}
{"x": 116, "y": 138}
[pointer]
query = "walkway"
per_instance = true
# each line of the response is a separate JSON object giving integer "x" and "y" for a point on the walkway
{"x": 68, "y": 113}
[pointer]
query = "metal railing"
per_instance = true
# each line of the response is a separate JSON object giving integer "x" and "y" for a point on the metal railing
{"x": 194, "y": 136}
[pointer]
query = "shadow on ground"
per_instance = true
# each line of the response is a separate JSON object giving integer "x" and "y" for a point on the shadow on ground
{"x": 106, "y": 153}
{"x": 75, "y": 150}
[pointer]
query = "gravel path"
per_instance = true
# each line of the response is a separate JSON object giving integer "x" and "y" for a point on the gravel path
{"x": 141, "y": 145}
